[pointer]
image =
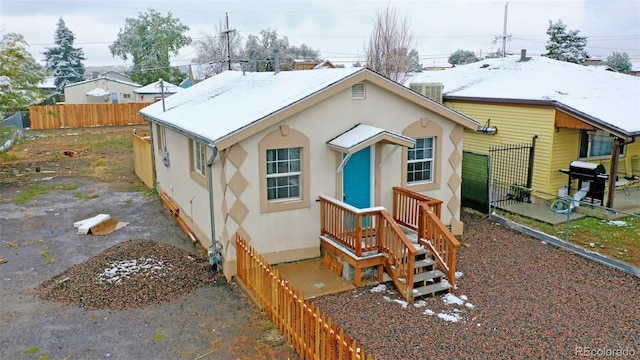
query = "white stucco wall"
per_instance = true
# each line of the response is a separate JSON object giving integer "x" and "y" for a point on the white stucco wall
{"x": 176, "y": 181}
{"x": 294, "y": 234}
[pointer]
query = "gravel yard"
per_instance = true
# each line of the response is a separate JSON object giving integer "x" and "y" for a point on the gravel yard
{"x": 142, "y": 292}
{"x": 517, "y": 298}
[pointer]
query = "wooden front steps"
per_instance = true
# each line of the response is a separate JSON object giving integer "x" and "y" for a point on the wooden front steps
{"x": 427, "y": 280}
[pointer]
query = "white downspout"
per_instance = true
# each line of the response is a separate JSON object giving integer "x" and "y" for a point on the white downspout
{"x": 215, "y": 257}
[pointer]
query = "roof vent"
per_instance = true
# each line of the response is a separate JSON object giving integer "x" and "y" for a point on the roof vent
{"x": 358, "y": 91}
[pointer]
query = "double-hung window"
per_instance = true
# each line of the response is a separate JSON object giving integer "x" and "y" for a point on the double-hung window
{"x": 284, "y": 174}
{"x": 199, "y": 151}
{"x": 420, "y": 166}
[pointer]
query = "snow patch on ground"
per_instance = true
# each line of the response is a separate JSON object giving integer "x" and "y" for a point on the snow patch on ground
{"x": 428, "y": 312}
{"x": 450, "y": 299}
{"x": 449, "y": 317}
{"x": 379, "y": 288}
{"x": 119, "y": 270}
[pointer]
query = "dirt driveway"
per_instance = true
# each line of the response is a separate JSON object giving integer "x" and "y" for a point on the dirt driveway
{"x": 38, "y": 241}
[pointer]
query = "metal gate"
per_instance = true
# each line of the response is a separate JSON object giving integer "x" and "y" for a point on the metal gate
{"x": 475, "y": 181}
{"x": 511, "y": 171}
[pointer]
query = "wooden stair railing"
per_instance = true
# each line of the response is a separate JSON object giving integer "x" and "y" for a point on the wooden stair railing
{"x": 421, "y": 213}
{"x": 371, "y": 231}
{"x": 434, "y": 235}
{"x": 401, "y": 254}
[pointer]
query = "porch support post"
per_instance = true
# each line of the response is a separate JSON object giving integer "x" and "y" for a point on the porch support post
{"x": 613, "y": 172}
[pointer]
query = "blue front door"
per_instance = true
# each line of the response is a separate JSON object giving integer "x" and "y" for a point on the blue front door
{"x": 356, "y": 179}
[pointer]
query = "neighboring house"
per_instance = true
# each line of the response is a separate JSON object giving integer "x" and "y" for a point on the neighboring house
{"x": 301, "y": 64}
{"x": 324, "y": 64}
{"x": 576, "y": 112}
{"x": 110, "y": 73}
{"x": 635, "y": 69}
{"x": 251, "y": 153}
{"x": 48, "y": 86}
{"x": 152, "y": 92}
{"x": 100, "y": 91}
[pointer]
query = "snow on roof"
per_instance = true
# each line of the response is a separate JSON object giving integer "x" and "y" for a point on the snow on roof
{"x": 48, "y": 83}
{"x": 232, "y": 100}
{"x": 98, "y": 91}
{"x": 606, "y": 97}
{"x": 362, "y": 133}
{"x": 154, "y": 88}
{"x": 107, "y": 78}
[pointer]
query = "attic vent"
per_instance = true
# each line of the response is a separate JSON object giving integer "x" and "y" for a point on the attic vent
{"x": 357, "y": 91}
{"x": 431, "y": 90}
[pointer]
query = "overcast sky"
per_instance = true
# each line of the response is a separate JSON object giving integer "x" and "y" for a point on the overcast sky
{"x": 338, "y": 29}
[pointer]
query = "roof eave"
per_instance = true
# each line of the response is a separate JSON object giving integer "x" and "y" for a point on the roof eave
{"x": 586, "y": 118}
{"x": 189, "y": 134}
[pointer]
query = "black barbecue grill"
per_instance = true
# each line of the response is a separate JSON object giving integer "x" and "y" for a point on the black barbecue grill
{"x": 589, "y": 176}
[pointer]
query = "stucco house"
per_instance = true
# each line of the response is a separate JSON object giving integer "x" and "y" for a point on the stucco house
{"x": 152, "y": 92}
{"x": 251, "y": 153}
{"x": 101, "y": 90}
{"x": 576, "y": 113}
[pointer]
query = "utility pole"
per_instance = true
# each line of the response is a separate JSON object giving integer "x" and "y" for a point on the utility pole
{"x": 504, "y": 36}
{"x": 227, "y": 33}
{"x": 504, "y": 31}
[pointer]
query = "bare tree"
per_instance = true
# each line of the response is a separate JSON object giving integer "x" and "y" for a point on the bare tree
{"x": 389, "y": 45}
{"x": 211, "y": 49}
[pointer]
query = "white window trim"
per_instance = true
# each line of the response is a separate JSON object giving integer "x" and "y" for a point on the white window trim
{"x": 430, "y": 160}
{"x": 199, "y": 151}
{"x": 279, "y": 175}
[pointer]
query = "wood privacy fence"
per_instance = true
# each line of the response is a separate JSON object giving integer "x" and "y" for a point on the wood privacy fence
{"x": 311, "y": 333}
{"x": 85, "y": 115}
{"x": 142, "y": 158}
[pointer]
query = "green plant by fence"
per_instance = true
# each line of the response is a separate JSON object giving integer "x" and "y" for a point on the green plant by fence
{"x": 85, "y": 115}
{"x": 311, "y": 333}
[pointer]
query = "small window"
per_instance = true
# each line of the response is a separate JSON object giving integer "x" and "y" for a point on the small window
{"x": 126, "y": 96}
{"x": 358, "y": 91}
{"x": 420, "y": 161}
{"x": 283, "y": 174}
{"x": 199, "y": 151}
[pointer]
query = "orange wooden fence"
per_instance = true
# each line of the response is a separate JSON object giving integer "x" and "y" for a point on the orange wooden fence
{"x": 311, "y": 333}
{"x": 85, "y": 115}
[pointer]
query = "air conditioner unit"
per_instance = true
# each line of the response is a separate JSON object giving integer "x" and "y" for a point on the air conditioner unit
{"x": 431, "y": 90}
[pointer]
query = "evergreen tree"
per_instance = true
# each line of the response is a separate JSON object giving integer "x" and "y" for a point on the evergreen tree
{"x": 149, "y": 40}
{"x": 461, "y": 57}
{"x": 20, "y": 74}
{"x": 619, "y": 62}
{"x": 414, "y": 61}
{"x": 565, "y": 45}
{"x": 64, "y": 61}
